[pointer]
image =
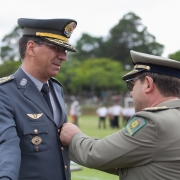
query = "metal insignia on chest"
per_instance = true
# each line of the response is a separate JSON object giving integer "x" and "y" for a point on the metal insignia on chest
{"x": 36, "y": 140}
{"x": 35, "y": 116}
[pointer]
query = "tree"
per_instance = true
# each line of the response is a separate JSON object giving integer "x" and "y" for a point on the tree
{"x": 175, "y": 56}
{"x": 92, "y": 75}
{"x": 89, "y": 47}
{"x": 128, "y": 34}
{"x": 131, "y": 34}
{"x": 8, "y": 68}
{"x": 9, "y": 49}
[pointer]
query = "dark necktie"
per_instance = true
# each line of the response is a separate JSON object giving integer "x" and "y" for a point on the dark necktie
{"x": 45, "y": 93}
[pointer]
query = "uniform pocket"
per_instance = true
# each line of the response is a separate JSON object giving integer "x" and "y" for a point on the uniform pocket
{"x": 35, "y": 137}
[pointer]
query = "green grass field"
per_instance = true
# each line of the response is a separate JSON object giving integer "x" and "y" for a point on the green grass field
{"x": 88, "y": 125}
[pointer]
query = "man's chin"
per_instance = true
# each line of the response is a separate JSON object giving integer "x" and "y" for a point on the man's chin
{"x": 54, "y": 73}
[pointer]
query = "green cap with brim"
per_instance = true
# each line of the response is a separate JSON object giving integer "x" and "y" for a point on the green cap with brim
{"x": 150, "y": 63}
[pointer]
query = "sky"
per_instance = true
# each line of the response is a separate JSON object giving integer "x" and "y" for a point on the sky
{"x": 97, "y": 17}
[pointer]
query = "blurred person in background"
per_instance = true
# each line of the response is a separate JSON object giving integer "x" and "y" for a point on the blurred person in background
{"x": 148, "y": 147}
{"x": 116, "y": 111}
{"x": 32, "y": 107}
{"x": 127, "y": 112}
{"x": 75, "y": 112}
{"x": 110, "y": 115}
{"x": 102, "y": 113}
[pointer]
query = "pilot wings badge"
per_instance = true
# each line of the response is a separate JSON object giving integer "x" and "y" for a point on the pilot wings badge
{"x": 35, "y": 116}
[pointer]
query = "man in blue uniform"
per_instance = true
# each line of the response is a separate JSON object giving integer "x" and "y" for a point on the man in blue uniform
{"x": 32, "y": 107}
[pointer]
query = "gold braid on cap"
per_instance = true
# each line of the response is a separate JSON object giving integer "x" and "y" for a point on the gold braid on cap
{"x": 142, "y": 67}
{"x": 60, "y": 42}
{"x": 55, "y": 36}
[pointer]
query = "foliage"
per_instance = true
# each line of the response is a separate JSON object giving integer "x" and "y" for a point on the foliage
{"x": 9, "y": 49}
{"x": 175, "y": 56}
{"x": 91, "y": 75}
{"x": 8, "y": 67}
{"x": 128, "y": 34}
{"x": 89, "y": 47}
{"x": 131, "y": 34}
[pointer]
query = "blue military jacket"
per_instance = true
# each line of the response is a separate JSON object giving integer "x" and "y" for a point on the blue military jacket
{"x": 29, "y": 139}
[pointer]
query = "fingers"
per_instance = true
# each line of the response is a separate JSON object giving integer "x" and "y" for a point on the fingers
{"x": 68, "y": 130}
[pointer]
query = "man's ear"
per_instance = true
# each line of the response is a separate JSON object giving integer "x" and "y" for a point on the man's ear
{"x": 149, "y": 84}
{"x": 30, "y": 48}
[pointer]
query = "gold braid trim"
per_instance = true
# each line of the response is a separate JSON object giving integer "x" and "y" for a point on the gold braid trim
{"x": 52, "y": 36}
{"x": 142, "y": 66}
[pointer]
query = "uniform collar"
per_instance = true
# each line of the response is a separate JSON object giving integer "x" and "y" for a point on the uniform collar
{"x": 38, "y": 83}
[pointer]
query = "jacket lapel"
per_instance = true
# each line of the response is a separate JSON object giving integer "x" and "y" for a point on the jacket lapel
{"x": 31, "y": 92}
{"x": 60, "y": 99}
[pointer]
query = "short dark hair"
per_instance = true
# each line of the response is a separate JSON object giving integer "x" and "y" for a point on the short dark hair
{"x": 23, "y": 42}
{"x": 167, "y": 85}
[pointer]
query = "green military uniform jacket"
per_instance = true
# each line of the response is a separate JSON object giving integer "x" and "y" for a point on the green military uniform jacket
{"x": 148, "y": 148}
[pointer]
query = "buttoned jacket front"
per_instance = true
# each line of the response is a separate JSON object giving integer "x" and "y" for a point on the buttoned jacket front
{"x": 25, "y": 119}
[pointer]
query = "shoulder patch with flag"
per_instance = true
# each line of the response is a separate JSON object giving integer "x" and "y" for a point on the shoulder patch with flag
{"x": 135, "y": 124}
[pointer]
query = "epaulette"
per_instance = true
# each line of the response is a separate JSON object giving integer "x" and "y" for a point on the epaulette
{"x": 6, "y": 79}
{"x": 156, "y": 108}
{"x": 56, "y": 81}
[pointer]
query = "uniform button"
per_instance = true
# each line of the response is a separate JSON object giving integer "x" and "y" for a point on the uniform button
{"x": 59, "y": 130}
{"x": 37, "y": 149}
{"x": 62, "y": 149}
{"x": 65, "y": 167}
{"x": 36, "y": 131}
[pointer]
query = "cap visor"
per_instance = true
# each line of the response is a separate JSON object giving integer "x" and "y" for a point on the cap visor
{"x": 61, "y": 43}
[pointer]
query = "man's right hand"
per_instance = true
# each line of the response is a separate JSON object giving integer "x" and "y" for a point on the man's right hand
{"x": 67, "y": 132}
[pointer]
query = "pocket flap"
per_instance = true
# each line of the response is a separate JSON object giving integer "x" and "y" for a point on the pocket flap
{"x": 32, "y": 128}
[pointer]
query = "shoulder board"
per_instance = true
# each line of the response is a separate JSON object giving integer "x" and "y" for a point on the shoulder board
{"x": 135, "y": 124}
{"x": 6, "y": 79}
{"x": 56, "y": 81}
{"x": 155, "y": 108}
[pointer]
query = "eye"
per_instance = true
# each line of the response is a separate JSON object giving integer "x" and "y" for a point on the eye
{"x": 53, "y": 47}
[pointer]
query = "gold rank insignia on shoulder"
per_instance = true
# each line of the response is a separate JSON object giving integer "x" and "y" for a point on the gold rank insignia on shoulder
{"x": 36, "y": 140}
{"x": 156, "y": 108}
{"x": 6, "y": 79}
{"x": 35, "y": 116}
{"x": 135, "y": 124}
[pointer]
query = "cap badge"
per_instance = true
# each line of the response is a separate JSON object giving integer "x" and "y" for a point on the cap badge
{"x": 23, "y": 82}
{"x": 36, "y": 140}
{"x": 69, "y": 29}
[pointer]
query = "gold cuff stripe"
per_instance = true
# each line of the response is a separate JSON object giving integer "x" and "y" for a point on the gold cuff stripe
{"x": 52, "y": 36}
{"x": 142, "y": 66}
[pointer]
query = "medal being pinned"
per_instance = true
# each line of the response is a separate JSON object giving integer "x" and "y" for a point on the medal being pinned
{"x": 36, "y": 140}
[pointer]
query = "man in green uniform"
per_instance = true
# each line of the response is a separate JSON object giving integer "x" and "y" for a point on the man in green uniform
{"x": 148, "y": 148}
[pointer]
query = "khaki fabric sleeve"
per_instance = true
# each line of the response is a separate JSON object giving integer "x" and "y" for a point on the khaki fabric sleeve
{"x": 118, "y": 150}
